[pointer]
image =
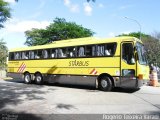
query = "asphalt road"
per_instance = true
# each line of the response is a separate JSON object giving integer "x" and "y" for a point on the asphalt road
{"x": 19, "y": 98}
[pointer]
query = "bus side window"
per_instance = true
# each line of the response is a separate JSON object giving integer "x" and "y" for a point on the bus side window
{"x": 49, "y": 53}
{"x": 94, "y": 50}
{"x": 100, "y": 50}
{"x": 31, "y": 55}
{"x": 107, "y": 52}
{"x": 62, "y": 52}
{"x": 38, "y": 54}
{"x": 88, "y": 51}
{"x": 127, "y": 52}
{"x": 11, "y": 56}
{"x": 71, "y": 52}
{"x": 24, "y": 55}
{"x": 110, "y": 49}
{"x": 45, "y": 54}
{"x": 54, "y": 53}
{"x": 17, "y": 55}
{"x": 81, "y": 51}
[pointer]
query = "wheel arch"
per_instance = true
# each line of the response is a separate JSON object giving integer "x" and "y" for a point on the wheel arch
{"x": 26, "y": 72}
{"x": 37, "y": 72}
{"x": 105, "y": 74}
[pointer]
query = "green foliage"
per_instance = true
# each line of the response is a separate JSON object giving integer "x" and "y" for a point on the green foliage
{"x": 3, "y": 53}
{"x": 136, "y": 34}
{"x": 152, "y": 45}
{"x": 4, "y": 12}
{"x": 153, "y": 50}
{"x": 60, "y": 29}
{"x": 36, "y": 37}
{"x": 91, "y": 0}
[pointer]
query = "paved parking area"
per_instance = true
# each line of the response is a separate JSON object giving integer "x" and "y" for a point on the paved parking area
{"x": 18, "y": 97}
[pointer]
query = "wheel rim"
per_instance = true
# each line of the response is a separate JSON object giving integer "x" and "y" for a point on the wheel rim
{"x": 27, "y": 78}
{"x": 39, "y": 79}
{"x": 104, "y": 83}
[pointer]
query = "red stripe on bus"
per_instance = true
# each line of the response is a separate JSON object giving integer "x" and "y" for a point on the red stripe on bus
{"x": 92, "y": 71}
{"x": 19, "y": 67}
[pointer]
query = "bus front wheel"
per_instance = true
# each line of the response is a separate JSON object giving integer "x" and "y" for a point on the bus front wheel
{"x": 27, "y": 78}
{"x": 105, "y": 83}
{"x": 38, "y": 79}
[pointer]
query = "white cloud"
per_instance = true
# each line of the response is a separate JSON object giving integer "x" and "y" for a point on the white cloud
{"x": 125, "y": 7}
{"x": 100, "y": 5}
{"x": 67, "y": 2}
{"x": 10, "y": 1}
{"x": 111, "y": 34}
{"x": 72, "y": 7}
{"x": 35, "y": 15}
{"x": 22, "y": 26}
{"x": 88, "y": 9}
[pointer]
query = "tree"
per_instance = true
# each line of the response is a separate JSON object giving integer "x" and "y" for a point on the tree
{"x": 151, "y": 44}
{"x": 136, "y": 34}
{"x": 90, "y": 0}
{"x": 3, "y": 53}
{"x": 4, "y": 12}
{"x": 60, "y": 29}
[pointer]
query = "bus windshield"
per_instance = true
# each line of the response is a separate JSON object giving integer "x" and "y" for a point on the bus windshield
{"x": 141, "y": 53}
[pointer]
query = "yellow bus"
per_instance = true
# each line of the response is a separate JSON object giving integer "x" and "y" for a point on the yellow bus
{"x": 103, "y": 63}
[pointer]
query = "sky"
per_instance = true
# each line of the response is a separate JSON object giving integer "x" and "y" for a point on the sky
{"x": 107, "y": 18}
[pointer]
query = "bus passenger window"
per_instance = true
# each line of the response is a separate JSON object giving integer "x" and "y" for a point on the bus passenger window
{"x": 128, "y": 53}
{"x": 49, "y": 53}
{"x": 81, "y": 52}
{"x": 38, "y": 54}
{"x": 61, "y": 52}
{"x": 11, "y": 56}
{"x": 110, "y": 49}
{"x": 89, "y": 51}
{"x": 71, "y": 52}
{"x": 100, "y": 50}
{"x": 54, "y": 53}
{"x": 93, "y": 50}
{"x": 31, "y": 54}
{"x": 45, "y": 53}
{"x": 108, "y": 52}
{"x": 24, "y": 55}
{"x": 17, "y": 55}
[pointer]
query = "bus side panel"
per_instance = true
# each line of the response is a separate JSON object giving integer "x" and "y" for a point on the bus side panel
{"x": 71, "y": 79}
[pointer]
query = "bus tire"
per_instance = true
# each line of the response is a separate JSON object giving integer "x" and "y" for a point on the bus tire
{"x": 27, "y": 78}
{"x": 38, "y": 79}
{"x": 105, "y": 83}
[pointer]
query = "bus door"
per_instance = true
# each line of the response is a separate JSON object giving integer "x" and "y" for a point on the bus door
{"x": 128, "y": 65}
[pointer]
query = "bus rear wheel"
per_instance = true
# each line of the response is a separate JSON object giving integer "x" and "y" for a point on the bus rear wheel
{"x": 105, "y": 83}
{"x": 27, "y": 78}
{"x": 38, "y": 79}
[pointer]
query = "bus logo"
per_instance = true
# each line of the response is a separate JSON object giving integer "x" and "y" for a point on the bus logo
{"x": 21, "y": 68}
{"x": 93, "y": 72}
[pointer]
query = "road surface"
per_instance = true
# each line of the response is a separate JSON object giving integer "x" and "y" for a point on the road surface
{"x": 19, "y": 98}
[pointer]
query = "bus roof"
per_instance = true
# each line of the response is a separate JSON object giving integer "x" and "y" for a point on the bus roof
{"x": 77, "y": 42}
